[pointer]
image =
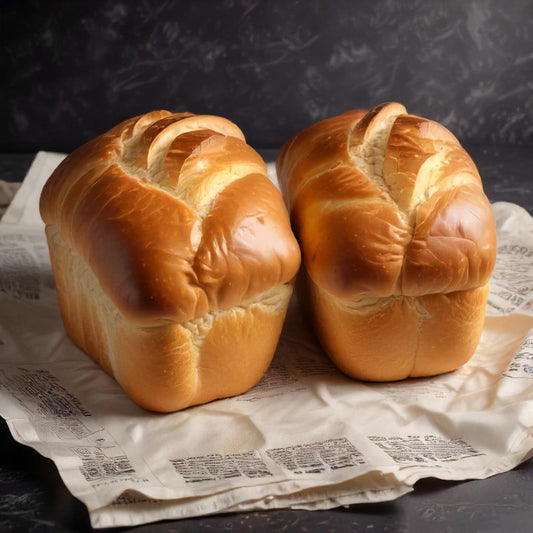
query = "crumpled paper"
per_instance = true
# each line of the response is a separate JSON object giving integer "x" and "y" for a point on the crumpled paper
{"x": 305, "y": 437}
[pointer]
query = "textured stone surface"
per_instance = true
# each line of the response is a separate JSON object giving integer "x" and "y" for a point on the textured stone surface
{"x": 74, "y": 69}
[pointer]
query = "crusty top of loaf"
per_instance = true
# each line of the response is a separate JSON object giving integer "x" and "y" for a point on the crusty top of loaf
{"x": 386, "y": 203}
{"x": 175, "y": 215}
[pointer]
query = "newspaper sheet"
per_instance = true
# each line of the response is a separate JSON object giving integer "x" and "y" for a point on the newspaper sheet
{"x": 304, "y": 437}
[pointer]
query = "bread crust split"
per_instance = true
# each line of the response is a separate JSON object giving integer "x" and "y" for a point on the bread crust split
{"x": 398, "y": 241}
{"x": 173, "y": 257}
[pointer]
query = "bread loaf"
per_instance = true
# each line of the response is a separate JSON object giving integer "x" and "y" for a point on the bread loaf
{"x": 397, "y": 238}
{"x": 173, "y": 257}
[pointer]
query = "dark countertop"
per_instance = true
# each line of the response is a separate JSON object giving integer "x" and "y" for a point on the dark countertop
{"x": 33, "y": 497}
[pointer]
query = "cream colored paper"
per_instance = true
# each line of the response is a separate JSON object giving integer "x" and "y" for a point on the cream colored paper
{"x": 305, "y": 437}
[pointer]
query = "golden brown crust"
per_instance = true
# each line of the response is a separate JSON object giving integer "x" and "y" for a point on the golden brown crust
{"x": 173, "y": 257}
{"x": 172, "y": 366}
{"x": 152, "y": 238}
{"x": 388, "y": 339}
{"x": 316, "y": 151}
{"x": 391, "y": 218}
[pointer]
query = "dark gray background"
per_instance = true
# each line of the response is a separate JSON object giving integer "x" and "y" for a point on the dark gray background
{"x": 73, "y": 69}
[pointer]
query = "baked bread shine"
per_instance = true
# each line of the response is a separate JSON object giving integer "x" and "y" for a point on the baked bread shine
{"x": 398, "y": 241}
{"x": 173, "y": 257}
